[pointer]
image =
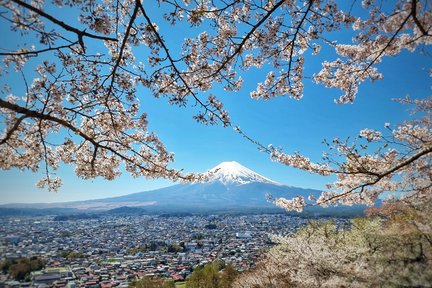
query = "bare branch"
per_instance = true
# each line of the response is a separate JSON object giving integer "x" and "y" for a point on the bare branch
{"x": 37, "y": 52}
{"x": 416, "y": 20}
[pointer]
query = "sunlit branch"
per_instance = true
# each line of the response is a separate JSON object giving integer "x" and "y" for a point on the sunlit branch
{"x": 79, "y": 33}
{"x": 40, "y": 116}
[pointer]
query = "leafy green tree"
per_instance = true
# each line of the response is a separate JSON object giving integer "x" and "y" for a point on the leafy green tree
{"x": 212, "y": 275}
{"x": 152, "y": 282}
{"x": 20, "y": 269}
{"x": 75, "y": 255}
{"x": 228, "y": 276}
{"x": 135, "y": 250}
{"x": 36, "y": 264}
{"x": 4, "y": 266}
{"x": 204, "y": 277}
{"x": 68, "y": 254}
{"x": 174, "y": 247}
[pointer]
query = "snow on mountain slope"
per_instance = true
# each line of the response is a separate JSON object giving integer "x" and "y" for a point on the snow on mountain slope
{"x": 233, "y": 173}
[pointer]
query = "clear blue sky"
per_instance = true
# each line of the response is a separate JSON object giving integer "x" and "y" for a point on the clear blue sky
{"x": 295, "y": 125}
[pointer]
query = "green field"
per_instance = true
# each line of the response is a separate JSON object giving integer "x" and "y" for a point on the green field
{"x": 180, "y": 284}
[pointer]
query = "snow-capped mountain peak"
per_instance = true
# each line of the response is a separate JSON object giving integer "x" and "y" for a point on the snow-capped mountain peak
{"x": 235, "y": 173}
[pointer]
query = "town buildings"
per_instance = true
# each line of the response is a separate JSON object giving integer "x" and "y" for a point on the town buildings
{"x": 111, "y": 251}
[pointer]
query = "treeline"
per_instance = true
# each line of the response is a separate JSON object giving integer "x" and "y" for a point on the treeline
{"x": 20, "y": 269}
{"x": 160, "y": 246}
{"x": 68, "y": 254}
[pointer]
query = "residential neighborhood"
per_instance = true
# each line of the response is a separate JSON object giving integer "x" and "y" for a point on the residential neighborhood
{"x": 111, "y": 251}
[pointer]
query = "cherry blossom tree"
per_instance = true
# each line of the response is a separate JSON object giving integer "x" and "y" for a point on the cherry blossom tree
{"x": 84, "y": 87}
{"x": 368, "y": 252}
{"x": 397, "y": 162}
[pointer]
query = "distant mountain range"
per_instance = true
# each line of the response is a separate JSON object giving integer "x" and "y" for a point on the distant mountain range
{"x": 231, "y": 187}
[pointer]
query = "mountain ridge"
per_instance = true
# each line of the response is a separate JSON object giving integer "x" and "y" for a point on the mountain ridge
{"x": 230, "y": 187}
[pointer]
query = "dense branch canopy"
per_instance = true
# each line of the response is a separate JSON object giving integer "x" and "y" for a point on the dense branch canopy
{"x": 81, "y": 80}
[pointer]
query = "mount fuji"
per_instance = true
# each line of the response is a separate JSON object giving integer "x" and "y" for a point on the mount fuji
{"x": 230, "y": 187}
{"x": 233, "y": 173}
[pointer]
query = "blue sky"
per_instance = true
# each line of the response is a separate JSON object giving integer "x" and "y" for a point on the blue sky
{"x": 294, "y": 125}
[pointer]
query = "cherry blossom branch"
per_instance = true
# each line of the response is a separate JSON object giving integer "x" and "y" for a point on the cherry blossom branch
{"x": 408, "y": 161}
{"x": 79, "y": 33}
{"x": 37, "y": 115}
{"x": 387, "y": 45}
{"x": 123, "y": 45}
{"x": 248, "y": 36}
{"x": 260, "y": 146}
{"x": 117, "y": 63}
{"x": 45, "y": 155}
{"x": 41, "y": 116}
{"x": 12, "y": 129}
{"x": 296, "y": 33}
{"x": 416, "y": 20}
{"x": 174, "y": 66}
{"x": 380, "y": 176}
